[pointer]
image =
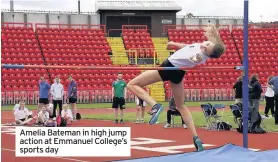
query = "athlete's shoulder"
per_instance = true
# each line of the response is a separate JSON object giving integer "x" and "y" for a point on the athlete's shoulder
{"x": 115, "y": 82}
{"x": 192, "y": 46}
{"x": 196, "y": 44}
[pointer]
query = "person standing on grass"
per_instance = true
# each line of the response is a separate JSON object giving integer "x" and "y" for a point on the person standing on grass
{"x": 57, "y": 91}
{"x": 72, "y": 95}
{"x": 269, "y": 99}
{"x": 274, "y": 83}
{"x": 238, "y": 90}
{"x": 44, "y": 93}
{"x": 255, "y": 92}
{"x": 140, "y": 105}
{"x": 119, "y": 95}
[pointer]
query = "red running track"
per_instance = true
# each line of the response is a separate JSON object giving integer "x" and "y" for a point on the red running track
{"x": 178, "y": 137}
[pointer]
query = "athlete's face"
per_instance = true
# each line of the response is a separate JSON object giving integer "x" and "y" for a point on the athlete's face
{"x": 22, "y": 104}
{"x": 43, "y": 109}
{"x": 57, "y": 80}
{"x": 120, "y": 76}
{"x": 207, "y": 47}
{"x": 65, "y": 106}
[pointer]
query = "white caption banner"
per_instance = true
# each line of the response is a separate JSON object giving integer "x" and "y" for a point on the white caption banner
{"x": 73, "y": 141}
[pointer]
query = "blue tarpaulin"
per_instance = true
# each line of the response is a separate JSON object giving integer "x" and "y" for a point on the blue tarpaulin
{"x": 226, "y": 153}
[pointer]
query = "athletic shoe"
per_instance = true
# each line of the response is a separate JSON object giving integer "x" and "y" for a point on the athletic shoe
{"x": 167, "y": 125}
{"x": 137, "y": 121}
{"x": 121, "y": 121}
{"x": 142, "y": 121}
{"x": 184, "y": 126}
{"x": 198, "y": 143}
{"x": 116, "y": 121}
{"x": 155, "y": 112}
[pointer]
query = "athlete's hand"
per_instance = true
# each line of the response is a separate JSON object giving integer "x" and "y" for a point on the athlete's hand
{"x": 171, "y": 43}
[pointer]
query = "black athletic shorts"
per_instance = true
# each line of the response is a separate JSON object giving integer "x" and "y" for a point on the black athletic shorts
{"x": 72, "y": 100}
{"x": 118, "y": 101}
{"x": 44, "y": 100}
{"x": 29, "y": 117}
{"x": 140, "y": 102}
{"x": 174, "y": 76}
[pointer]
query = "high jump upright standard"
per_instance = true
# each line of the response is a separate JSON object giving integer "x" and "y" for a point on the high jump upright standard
{"x": 245, "y": 77}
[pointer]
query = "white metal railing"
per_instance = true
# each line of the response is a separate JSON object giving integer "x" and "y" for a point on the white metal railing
{"x": 83, "y": 96}
{"x": 105, "y": 96}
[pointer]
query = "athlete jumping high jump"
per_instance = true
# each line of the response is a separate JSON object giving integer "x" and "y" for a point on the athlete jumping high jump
{"x": 187, "y": 56}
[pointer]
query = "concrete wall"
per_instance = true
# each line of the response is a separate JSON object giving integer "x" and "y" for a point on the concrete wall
{"x": 158, "y": 18}
{"x": 205, "y": 21}
{"x": 191, "y": 21}
{"x": 50, "y": 18}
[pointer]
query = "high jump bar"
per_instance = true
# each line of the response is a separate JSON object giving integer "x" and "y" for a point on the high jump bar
{"x": 15, "y": 66}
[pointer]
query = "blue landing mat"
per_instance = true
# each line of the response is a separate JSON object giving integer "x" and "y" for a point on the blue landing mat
{"x": 226, "y": 153}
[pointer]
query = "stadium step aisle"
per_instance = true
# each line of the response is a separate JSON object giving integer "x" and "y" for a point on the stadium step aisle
{"x": 157, "y": 91}
{"x": 119, "y": 56}
{"x": 160, "y": 45}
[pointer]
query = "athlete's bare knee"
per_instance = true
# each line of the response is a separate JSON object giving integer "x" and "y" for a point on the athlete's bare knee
{"x": 131, "y": 85}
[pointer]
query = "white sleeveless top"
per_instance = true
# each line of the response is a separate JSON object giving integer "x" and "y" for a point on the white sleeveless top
{"x": 269, "y": 92}
{"x": 183, "y": 55}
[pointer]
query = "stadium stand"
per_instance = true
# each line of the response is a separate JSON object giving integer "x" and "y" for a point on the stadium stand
{"x": 71, "y": 45}
{"x": 59, "y": 46}
{"x": 263, "y": 46}
{"x": 139, "y": 40}
{"x": 77, "y": 46}
{"x": 20, "y": 46}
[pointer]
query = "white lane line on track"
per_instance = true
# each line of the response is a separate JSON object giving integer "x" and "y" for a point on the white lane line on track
{"x": 70, "y": 159}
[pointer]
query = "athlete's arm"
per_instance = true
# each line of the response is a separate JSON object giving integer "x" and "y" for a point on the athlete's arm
{"x": 125, "y": 91}
{"x": 113, "y": 89}
{"x": 213, "y": 35}
{"x": 179, "y": 45}
{"x": 112, "y": 92}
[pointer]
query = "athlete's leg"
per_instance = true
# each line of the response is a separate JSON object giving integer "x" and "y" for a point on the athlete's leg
{"x": 142, "y": 80}
{"x": 178, "y": 92}
{"x": 137, "y": 112}
{"x": 39, "y": 107}
{"x": 40, "y": 118}
{"x": 143, "y": 112}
